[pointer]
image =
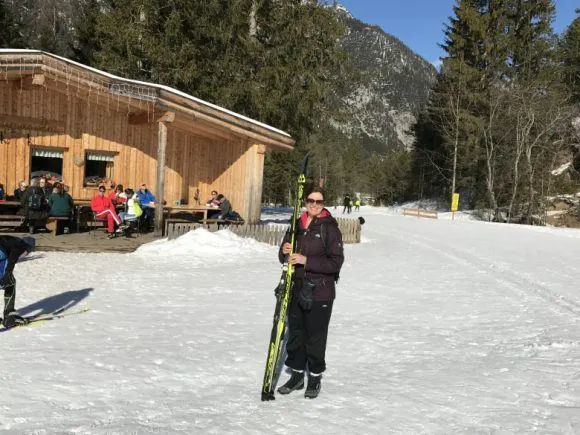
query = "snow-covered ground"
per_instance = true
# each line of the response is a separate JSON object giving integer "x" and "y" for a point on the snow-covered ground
{"x": 440, "y": 326}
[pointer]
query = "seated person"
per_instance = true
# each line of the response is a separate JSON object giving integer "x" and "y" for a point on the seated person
{"x": 19, "y": 191}
{"x": 34, "y": 206}
{"x": 2, "y": 192}
{"x": 213, "y": 201}
{"x": 118, "y": 196}
{"x": 104, "y": 210}
{"x": 61, "y": 204}
{"x": 133, "y": 210}
{"x": 147, "y": 202}
{"x": 225, "y": 206}
{"x": 46, "y": 187}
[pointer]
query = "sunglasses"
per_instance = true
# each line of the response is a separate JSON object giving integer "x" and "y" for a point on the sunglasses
{"x": 314, "y": 201}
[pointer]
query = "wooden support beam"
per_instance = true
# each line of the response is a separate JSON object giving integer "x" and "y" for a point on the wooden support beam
{"x": 285, "y": 143}
{"x": 151, "y": 117}
{"x": 29, "y": 123}
{"x": 167, "y": 117}
{"x": 203, "y": 129}
{"x": 38, "y": 80}
{"x": 161, "y": 147}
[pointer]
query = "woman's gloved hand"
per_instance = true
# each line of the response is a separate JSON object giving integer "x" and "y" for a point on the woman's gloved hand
{"x": 306, "y": 294}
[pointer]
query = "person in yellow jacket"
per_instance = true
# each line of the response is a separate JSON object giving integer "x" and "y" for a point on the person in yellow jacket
{"x": 357, "y": 204}
{"x": 133, "y": 211}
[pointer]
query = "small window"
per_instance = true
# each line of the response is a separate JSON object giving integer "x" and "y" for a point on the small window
{"x": 46, "y": 163}
{"x": 98, "y": 167}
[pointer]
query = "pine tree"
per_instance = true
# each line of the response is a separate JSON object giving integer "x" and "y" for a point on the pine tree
{"x": 531, "y": 38}
{"x": 457, "y": 101}
{"x": 44, "y": 24}
{"x": 570, "y": 49}
{"x": 9, "y": 28}
{"x": 86, "y": 41}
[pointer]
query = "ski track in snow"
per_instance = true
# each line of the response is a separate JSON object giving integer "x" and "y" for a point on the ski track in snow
{"x": 439, "y": 327}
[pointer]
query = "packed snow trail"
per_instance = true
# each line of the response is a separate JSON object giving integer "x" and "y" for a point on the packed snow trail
{"x": 439, "y": 327}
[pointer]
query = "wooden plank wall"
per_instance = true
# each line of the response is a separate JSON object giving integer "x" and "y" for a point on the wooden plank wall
{"x": 233, "y": 167}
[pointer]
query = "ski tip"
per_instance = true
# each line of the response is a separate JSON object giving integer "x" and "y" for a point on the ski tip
{"x": 268, "y": 396}
{"x": 305, "y": 162}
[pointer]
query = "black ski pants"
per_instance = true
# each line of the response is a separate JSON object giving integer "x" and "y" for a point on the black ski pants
{"x": 9, "y": 298}
{"x": 308, "y": 331}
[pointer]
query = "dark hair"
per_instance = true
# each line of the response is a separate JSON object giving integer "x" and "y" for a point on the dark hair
{"x": 129, "y": 192}
{"x": 212, "y": 192}
{"x": 316, "y": 189}
{"x": 220, "y": 196}
{"x": 102, "y": 187}
{"x": 119, "y": 187}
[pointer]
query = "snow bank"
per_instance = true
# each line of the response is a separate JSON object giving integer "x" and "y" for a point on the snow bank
{"x": 201, "y": 246}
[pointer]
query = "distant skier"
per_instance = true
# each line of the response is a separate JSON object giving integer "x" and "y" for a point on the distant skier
{"x": 318, "y": 259}
{"x": 346, "y": 204}
{"x": 11, "y": 249}
{"x": 357, "y": 204}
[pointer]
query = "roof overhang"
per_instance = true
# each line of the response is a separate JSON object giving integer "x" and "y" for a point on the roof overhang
{"x": 16, "y": 63}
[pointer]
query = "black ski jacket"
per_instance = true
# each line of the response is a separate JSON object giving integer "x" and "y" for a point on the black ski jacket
{"x": 324, "y": 258}
{"x": 13, "y": 247}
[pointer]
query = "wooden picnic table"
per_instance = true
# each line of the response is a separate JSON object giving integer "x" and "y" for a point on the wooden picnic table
{"x": 202, "y": 210}
{"x": 193, "y": 209}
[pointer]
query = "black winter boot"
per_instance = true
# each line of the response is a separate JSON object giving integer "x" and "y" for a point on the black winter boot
{"x": 313, "y": 387}
{"x": 296, "y": 382}
{"x": 13, "y": 319}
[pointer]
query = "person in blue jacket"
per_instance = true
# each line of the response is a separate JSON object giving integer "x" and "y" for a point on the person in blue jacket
{"x": 11, "y": 249}
{"x": 147, "y": 202}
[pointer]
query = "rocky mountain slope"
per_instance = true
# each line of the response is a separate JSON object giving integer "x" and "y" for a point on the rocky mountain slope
{"x": 394, "y": 85}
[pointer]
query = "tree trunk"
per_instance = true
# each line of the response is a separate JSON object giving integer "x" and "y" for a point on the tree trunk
{"x": 254, "y": 20}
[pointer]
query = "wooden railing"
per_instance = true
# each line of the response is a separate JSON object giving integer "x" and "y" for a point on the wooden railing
{"x": 271, "y": 234}
{"x": 420, "y": 212}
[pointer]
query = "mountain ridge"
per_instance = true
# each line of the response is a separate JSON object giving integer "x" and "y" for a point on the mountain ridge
{"x": 394, "y": 85}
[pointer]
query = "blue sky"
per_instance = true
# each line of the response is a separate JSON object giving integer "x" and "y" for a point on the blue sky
{"x": 419, "y": 23}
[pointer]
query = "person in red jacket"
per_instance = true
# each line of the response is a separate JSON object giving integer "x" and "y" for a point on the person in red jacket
{"x": 104, "y": 209}
{"x": 117, "y": 195}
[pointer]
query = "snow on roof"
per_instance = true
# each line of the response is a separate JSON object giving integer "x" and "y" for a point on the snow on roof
{"x": 153, "y": 85}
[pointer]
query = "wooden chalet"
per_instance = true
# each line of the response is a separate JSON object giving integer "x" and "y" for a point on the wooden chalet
{"x": 59, "y": 116}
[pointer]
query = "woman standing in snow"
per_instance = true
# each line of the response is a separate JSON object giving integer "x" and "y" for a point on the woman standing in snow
{"x": 317, "y": 261}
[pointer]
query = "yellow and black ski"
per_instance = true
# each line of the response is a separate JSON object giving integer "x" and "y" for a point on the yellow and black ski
{"x": 35, "y": 320}
{"x": 284, "y": 295}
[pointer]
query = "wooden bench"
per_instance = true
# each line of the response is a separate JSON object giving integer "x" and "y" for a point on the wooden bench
{"x": 91, "y": 223}
{"x": 420, "y": 212}
{"x": 11, "y": 220}
{"x": 54, "y": 224}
